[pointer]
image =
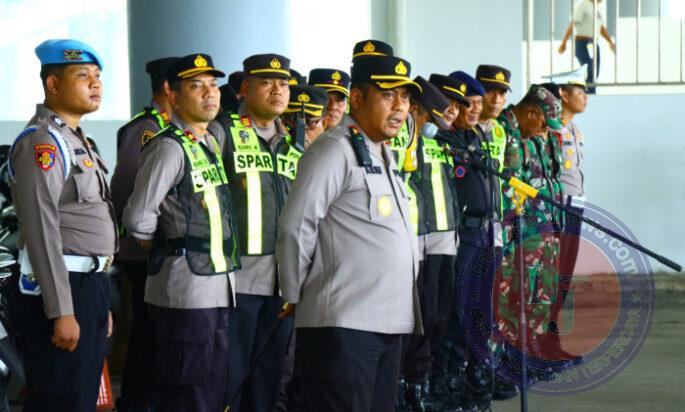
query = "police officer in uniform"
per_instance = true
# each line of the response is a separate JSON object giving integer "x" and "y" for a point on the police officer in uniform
{"x": 261, "y": 161}
{"x": 573, "y": 93}
{"x": 436, "y": 221}
{"x": 304, "y": 116}
{"x": 336, "y": 83}
{"x": 67, "y": 235}
{"x": 180, "y": 210}
{"x": 496, "y": 83}
{"x": 138, "y": 382}
{"x": 347, "y": 252}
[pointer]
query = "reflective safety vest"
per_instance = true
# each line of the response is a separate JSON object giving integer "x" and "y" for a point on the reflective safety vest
{"x": 433, "y": 177}
{"x": 404, "y": 150}
{"x": 162, "y": 120}
{"x": 496, "y": 144}
{"x": 210, "y": 244}
{"x": 259, "y": 182}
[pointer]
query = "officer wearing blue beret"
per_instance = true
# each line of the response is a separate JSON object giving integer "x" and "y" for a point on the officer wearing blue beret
{"x": 67, "y": 235}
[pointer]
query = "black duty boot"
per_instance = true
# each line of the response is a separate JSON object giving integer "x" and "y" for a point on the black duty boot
{"x": 414, "y": 398}
{"x": 400, "y": 403}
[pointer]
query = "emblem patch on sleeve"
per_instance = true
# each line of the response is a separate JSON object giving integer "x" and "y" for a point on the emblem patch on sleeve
{"x": 147, "y": 136}
{"x": 45, "y": 156}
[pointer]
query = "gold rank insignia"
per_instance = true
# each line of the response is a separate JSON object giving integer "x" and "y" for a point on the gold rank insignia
{"x": 200, "y": 61}
{"x": 462, "y": 88}
{"x": 303, "y": 98}
{"x": 567, "y": 164}
{"x": 384, "y": 205}
{"x": 71, "y": 54}
{"x": 275, "y": 64}
{"x": 401, "y": 69}
{"x": 500, "y": 76}
{"x": 87, "y": 163}
{"x": 336, "y": 77}
{"x": 369, "y": 47}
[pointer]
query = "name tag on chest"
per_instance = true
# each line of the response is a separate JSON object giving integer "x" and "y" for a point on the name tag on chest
{"x": 252, "y": 162}
{"x": 205, "y": 178}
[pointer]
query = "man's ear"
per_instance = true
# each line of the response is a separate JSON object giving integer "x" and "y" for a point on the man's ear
{"x": 244, "y": 87}
{"x": 173, "y": 97}
{"x": 356, "y": 98}
{"x": 52, "y": 84}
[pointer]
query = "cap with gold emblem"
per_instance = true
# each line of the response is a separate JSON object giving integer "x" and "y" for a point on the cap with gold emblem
{"x": 309, "y": 99}
{"x": 267, "y": 65}
{"x": 384, "y": 72}
{"x": 371, "y": 48}
{"x": 331, "y": 79}
{"x": 493, "y": 77}
{"x": 296, "y": 78}
{"x": 190, "y": 66}
{"x": 473, "y": 87}
{"x": 430, "y": 98}
{"x": 451, "y": 88}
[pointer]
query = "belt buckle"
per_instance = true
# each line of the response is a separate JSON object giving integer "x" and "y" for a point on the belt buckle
{"x": 108, "y": 263}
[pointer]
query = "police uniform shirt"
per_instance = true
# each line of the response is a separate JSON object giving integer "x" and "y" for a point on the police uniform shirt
{"x": 572, "y": 154}
{"x": 257, "y": 275}
{"x": 58, "y": 216}
{"x": 347, "y": 253}
{"x": 129, "y": 146}
{"x": 152, "y": 207}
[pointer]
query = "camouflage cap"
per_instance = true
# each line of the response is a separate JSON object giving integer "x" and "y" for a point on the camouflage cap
{"x": 550, "y": 105}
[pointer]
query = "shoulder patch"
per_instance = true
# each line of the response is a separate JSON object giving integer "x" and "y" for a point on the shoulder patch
{"x": 146, "y": 137}
{"x": 45, "y": 156}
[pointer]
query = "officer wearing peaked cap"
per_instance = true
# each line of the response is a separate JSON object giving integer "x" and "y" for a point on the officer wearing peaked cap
{"x": 296, "y": 78}
{"x": 455, "y": 91}
{"x": 573, "y": 93}
{"x": 67, "y": 235}
{"x": 349, "y": 200}
{"x": 138, "y": 383}
{"x": 261, "y": 160}
{"x": 181, "y": 211}
{"x": 305, "y": 113}
{"x": 336, "y": 83}
{"x": 371, "y": 48}
{"x": 496, "y": 83}
{"x": 437, "y": 222}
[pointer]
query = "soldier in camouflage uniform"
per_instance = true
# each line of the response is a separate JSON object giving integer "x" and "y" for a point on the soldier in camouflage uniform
{"x": 530, "y": 157}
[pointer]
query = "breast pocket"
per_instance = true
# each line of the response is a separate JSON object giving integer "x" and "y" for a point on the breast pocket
{"x": 86, "y": 180}
{"x": 382, "y": 203}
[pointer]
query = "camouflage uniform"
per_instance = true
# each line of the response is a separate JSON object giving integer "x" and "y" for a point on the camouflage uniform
{"x": 529, "y": 160}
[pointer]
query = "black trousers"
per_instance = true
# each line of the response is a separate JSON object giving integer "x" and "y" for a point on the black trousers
{"x": 192, "y": 353}
{"x": 139, "y": 386}
{"x": 251, "y": 321}
{"x": 347, "y": 370}
{"x": 59, "y": 380}
{"x": 473, "y": 295}
{"x": 435, "y": 284}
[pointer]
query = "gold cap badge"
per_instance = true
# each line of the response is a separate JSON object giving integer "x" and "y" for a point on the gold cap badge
{"x": 500, "y": 76}
{"x": 369, "y": 47}
{"x": 275, "y": 64}
{"x": 401, "y": 69}
{"x": 336, "y": 76}
{"x": 303, "y": 98}
{"x": 200, "y": 61}
{"x": 462, "y": 88}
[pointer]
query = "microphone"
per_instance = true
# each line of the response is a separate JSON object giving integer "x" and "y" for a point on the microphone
{"x": 431, "y": 131}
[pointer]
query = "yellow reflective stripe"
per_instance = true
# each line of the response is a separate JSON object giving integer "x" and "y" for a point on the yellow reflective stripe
{"x": 205, "y": 178}
{"x": 413, "y": 206}
{"x": 216, "y": 241}
{"x": 438, "y": 196}
{"x": 254, "y": 213}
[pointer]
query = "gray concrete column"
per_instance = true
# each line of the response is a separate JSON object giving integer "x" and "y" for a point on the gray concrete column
{"x": 227, "y": 30}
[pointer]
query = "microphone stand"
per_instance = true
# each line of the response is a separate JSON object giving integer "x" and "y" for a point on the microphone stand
{"x": 522, "y": 192}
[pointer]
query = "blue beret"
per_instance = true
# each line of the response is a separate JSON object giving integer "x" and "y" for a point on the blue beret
{"x": 473, "y": 86}
{"x": 66, "y": 51}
